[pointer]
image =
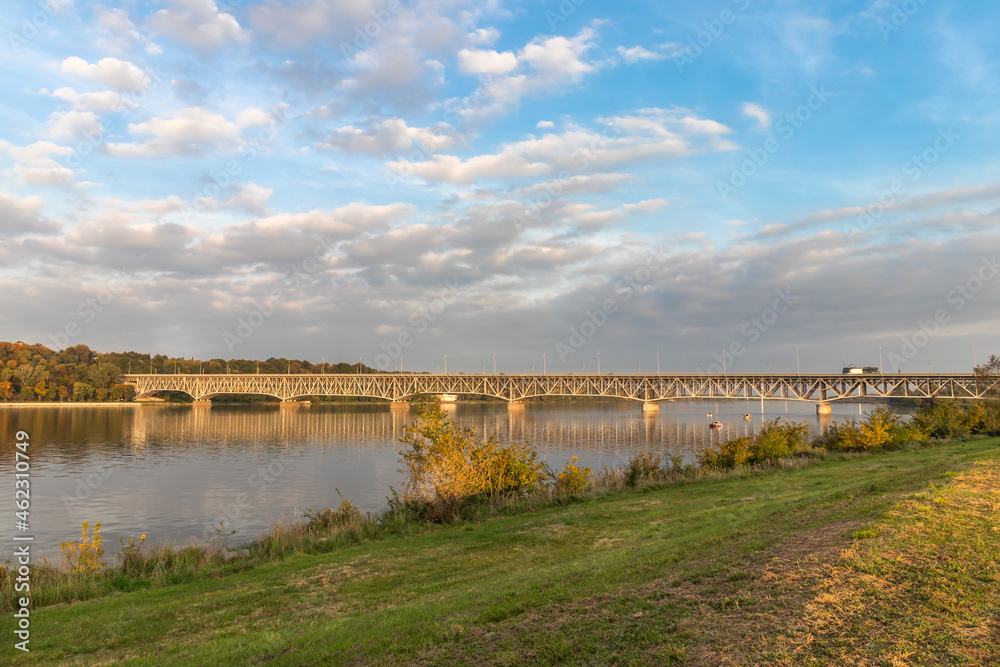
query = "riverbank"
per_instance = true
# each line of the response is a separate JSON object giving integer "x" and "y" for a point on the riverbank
{"x": 67, "y": 404}
{"x": 761, "y": 567}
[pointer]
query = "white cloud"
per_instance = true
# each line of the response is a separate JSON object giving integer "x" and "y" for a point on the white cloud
{"x": 199, "y": 24}
{"x": 190, "y": 131}
{"x": 580, "y": 184}
{"x": 390, "y": 136}
{"x": 119, "y": 33}
{"x": 24, "y": 216}
{"x": 38, "y": 151}
{"x": 70, "y": 125}
{"x": 248, "y": 197}
{"x": 252, "y": 116}
{"x": 646, "y": 206}
{"x": 36, "y": 166}
{"x": 559, "y": 58}
{"x": 54, "y": 175}
{"x": 486, "y": 62}
{"x": 636, "y": 53}
{"x": 300, "y": 23}
{"x": 758, "y": 113}
{"x": 107, "y": 100}
{"x": 860, "y": 216}
{"x": 544, "y": 65}
{"x": 653, "y": 134}
{"x": 113, "y": 72}
{"x": 545, "y": 125}
{"x": 484, "y": 36}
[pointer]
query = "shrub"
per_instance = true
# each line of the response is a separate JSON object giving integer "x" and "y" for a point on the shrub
{"x": 944, "y": 419}
{"x": 85, "y": 556}
{"x": 573, "y": 479}
{"x": 733, "y": 453}
{"x": 882, "y": 429}
{"x": 984, "y": 418}
{"x": 326, "y": 518}
{"x": 447, "y": 466}
{"x": 643, "y": 465}
{"x": 131, "y": 557}
{"x": 776, "y": 440}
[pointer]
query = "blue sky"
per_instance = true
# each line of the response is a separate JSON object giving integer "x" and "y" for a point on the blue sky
{"x": 543, "y": 181}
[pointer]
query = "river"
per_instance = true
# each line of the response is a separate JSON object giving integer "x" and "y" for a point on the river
{"x": 175, "y": 472}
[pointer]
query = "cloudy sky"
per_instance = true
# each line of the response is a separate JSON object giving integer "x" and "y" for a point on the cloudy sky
{"x": 543, "y": 181}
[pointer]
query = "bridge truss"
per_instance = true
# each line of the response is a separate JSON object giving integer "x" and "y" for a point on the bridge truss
{"x": 518, "y": 388}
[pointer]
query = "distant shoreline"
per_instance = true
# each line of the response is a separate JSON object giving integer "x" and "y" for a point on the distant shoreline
{"x": 56, "y": 404}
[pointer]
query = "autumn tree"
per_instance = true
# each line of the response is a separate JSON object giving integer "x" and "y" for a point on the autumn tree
{"x": 82, "y": 391}
{"x": 104, "y": 375}
{"x": 989, "y": 374}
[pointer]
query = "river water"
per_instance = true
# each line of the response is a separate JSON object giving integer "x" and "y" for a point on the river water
{"x": 175, "y": 472}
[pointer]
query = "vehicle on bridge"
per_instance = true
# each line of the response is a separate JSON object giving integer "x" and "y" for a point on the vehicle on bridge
{"x": 860, "y": 370}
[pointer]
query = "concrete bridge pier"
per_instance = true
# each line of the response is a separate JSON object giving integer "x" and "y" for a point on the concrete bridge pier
{"x": 824, "y": 409}
{"x": 515, "y": 406}
{"x": 399, "y": 405}
{"x": 294, "y": 405}
{"x": 202, "y": 404}
{"x": 650, "y": 408}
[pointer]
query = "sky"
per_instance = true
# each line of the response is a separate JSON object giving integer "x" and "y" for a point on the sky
{"x": 770, "y": 185}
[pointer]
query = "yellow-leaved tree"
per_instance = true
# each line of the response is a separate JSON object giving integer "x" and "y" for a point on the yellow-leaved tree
{"x": 448, "y": 466}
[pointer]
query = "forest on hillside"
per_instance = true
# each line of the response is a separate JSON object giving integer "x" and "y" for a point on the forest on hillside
{"x": 33, "y": 372}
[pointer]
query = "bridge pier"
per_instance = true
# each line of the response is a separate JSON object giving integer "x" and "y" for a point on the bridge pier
{"x": 294, "y": 405}
{"x": 399, "y": 405}
{"x": 515, "y": 406}
{"x": 824, "y": 409}
{"x": 650, "y": 408}
{"x": 202, "y": 404}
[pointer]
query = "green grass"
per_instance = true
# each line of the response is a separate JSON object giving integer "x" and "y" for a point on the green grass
{"x": 684, "y": 574}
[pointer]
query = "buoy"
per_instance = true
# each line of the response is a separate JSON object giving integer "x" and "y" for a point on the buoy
{"x": 709, "y": 414}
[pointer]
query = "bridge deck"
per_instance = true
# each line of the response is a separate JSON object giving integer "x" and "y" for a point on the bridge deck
{"x": 645, "y": 387}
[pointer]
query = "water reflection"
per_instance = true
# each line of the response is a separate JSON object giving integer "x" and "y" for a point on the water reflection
{"x": 174, "y": 472}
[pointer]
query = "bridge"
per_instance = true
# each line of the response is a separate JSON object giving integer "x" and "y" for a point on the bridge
{"x": 649, "y": 389}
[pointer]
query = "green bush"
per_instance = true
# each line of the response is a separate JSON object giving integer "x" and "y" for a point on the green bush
{"x": 642, "y": 465}
{"x": 776, "y": 440}
{"x": 951, "y": 419}
{"x": 984, "y": 418}
{"x": 732, "y": 453}
{"x": 943, "y": 419}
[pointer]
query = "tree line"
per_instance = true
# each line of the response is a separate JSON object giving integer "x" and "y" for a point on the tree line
{"x": 33, "y": 372}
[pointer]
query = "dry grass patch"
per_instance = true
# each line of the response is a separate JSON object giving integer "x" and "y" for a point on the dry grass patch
{"x": 920, "y": 588}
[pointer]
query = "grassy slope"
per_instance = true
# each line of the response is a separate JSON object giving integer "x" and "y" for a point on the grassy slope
{"x": 681, "y": 573}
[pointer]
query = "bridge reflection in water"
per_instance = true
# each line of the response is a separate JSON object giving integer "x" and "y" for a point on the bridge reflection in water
{"x": 600, "y": 431}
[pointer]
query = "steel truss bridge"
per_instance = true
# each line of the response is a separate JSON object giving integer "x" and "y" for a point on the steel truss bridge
{"x": 649, "y": 389}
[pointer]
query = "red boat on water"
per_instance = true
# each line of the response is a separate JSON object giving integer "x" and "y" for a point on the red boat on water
{"x": 715, "y": 424}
